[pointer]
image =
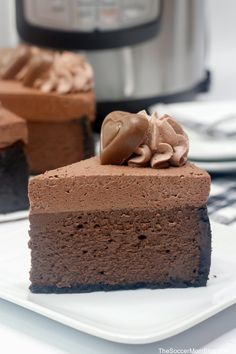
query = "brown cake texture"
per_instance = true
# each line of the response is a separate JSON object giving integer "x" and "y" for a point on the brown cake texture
{"x": 13, "y": 163}
{"x": 96, "y": 227}
{"x": 133, "y": 217}
{"x": 50, "y": 111}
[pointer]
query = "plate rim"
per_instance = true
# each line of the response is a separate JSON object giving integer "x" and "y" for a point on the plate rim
{"x": 14, "y": 216}
{"x": 215, "y": 166}
{"x": 118, "y": 337}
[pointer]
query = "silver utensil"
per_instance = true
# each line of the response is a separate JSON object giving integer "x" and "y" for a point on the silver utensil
{"x": 213, "y": 129}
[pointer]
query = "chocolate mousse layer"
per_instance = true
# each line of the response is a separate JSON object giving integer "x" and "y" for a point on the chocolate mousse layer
{"x": 95, "y": 227}
{"x": 13, "y": 163}
{"x": 12, "y": 128}
{"x": 37, "y": 106}
{"x": 53, "y": 144}
{"x": 51, "y": 90}
{"x": 88, "y": 185}
{"x": 59, "y": 126}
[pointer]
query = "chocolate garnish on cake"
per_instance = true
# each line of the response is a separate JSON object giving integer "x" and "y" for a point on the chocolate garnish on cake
{"x": 143, "y": 140}
{"x": 121, "y": 134}
{"x": 62, "y": 72}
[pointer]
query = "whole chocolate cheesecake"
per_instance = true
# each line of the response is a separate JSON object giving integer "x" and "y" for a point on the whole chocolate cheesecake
{"x": 53, "y": 91}
{"x": 13, "y": 163}
{"x": 133, "y": 217}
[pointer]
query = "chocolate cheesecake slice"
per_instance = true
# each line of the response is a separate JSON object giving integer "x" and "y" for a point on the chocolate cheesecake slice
{"x": 53, "y": 91}
{"x": 96, "y": 225}
{"x": 13, "y": 163}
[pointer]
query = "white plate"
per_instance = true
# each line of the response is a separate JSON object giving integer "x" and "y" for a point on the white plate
{"x": 18, "y": 215}
{"x": 226, "y": 166}
{"x": 209, "y": 149}
{"x": 203, "y": 147}
{"x": 141, "y": 316}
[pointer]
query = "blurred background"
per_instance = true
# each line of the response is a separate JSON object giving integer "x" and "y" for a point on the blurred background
{"x": 173, "y": 56}
{"x": 220, "y": 53}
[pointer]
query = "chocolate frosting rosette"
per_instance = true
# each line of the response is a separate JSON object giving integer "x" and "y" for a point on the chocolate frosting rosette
{"x": 46, "y": 70}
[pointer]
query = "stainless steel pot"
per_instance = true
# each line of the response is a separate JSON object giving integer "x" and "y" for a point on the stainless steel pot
{"x": 141, "y": 51}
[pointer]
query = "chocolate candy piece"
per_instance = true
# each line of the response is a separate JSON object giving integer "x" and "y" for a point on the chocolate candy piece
{"x": 121, "y": 134}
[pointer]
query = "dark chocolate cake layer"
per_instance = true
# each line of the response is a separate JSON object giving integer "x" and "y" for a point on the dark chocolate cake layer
{"x": 14, "y": 179}
{"x": 120, "y": 249}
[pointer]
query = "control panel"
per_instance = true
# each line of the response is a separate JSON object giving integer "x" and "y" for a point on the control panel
{"x": 91, "y": 15}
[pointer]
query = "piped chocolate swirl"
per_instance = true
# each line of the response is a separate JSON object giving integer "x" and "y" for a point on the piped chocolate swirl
{"x": 46, "y": 70}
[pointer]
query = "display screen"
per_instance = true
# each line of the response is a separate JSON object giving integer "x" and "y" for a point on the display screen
{"x": 91, "y": 15}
